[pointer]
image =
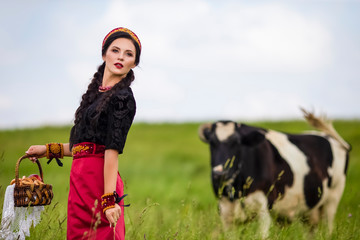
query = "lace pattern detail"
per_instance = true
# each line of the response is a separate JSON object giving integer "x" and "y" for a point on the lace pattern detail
{"x": 16, "y": 221}
{"x": 113, "y": 124}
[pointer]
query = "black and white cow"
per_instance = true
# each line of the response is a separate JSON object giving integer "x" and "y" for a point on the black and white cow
{"x": 255, "y": 170}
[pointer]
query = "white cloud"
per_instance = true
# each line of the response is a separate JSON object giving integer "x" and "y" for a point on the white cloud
{"x": 155, "y": 85}
{"x": 5, "y": 102}
{"x": 9, "y": 56}
{"x": 188, "y": 37}
{"x": 198, "y": 34}
{"x": 201, "y": 59}
{"x": 80, "y": 73}
{"x": 265, "y": 104}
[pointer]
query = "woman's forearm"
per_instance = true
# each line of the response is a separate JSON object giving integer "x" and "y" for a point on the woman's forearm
{"x": 110, "y": 170}
{"x": 39, "y": 151}
{"x": 67, "y": 150}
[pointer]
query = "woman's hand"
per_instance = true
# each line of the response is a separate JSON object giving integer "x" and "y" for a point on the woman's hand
{"x": 113, "y": 215}
{"x": 36, "y": 151}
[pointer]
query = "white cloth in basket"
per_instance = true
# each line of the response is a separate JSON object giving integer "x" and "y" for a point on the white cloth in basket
{"x": 16, "y": 221}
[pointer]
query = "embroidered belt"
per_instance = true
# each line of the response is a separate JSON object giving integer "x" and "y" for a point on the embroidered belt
{"x": 86, "y": 149}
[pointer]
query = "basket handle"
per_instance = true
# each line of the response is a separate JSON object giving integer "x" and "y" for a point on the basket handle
{"x": 17, "y": 182}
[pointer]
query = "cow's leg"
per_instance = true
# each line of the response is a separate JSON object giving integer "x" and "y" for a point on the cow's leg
{"x": 314, "y": 217}
{"x": 227, "y": 213}
{"x": 329, "y": 211}
{"x": 330, "y": 206}
{"x": 257, "y": 202}
{"x": 337, "y": 171}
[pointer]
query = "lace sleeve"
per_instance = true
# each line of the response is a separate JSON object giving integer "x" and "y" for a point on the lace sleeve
{"x": 120, "y": 117}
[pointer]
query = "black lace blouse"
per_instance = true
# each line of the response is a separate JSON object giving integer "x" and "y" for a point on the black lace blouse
{"x": 113, "y": 124}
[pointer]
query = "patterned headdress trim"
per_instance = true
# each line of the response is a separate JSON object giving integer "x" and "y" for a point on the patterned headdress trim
{"x": 121, "y": 29}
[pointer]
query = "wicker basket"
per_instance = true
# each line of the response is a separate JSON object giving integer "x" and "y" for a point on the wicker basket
{"x": 26, "y": 194}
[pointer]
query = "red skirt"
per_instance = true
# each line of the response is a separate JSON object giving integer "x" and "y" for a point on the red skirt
{"x": 85, "y": 217}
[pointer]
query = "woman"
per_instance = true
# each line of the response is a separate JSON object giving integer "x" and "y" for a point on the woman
{"x": 101, "y": 125}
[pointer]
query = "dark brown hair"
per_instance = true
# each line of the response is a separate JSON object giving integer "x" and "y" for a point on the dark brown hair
{"x": 93, "y": 89}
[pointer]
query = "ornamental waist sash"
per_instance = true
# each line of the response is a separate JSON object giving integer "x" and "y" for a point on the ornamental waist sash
{"x": 86, "y": 149}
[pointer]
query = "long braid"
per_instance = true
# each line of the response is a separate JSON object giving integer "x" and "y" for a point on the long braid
{"x": 124, "y": 83}
{"x": 92, "y": 92}
{"x": 101, "y": 108}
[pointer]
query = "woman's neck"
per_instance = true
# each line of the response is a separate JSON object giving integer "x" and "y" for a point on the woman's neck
{"x": 110, "y": 80}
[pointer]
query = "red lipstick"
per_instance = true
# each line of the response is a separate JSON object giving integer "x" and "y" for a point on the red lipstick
{"x": 118, "y": 65}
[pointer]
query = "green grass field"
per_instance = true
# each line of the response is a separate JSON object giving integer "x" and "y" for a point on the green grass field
{"x": 166, "y": 169}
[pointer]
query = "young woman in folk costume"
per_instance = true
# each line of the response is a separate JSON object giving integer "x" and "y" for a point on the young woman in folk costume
{"x": 98, "y": 136}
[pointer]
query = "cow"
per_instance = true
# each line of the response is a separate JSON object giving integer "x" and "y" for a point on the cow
{"x": 262, "y": 172}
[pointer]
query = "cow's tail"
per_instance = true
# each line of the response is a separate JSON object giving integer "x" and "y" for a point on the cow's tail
{"x": 323, "y": 124}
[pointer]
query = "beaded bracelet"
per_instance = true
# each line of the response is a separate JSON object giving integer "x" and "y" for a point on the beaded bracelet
{"x": 108, "y": 200}
{"x": 55, "y": 150}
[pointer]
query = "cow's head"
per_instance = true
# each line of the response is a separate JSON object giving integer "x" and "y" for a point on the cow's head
{"x": 227, "y": 152}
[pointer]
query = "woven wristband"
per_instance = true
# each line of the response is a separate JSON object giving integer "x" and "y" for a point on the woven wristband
{"x": 107, "y": 201}
{"x": 55, "y": 150}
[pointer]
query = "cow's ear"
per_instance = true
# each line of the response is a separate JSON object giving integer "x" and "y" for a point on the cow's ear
{"x": 204, "y": 132}
{"x": 252, "y": 139}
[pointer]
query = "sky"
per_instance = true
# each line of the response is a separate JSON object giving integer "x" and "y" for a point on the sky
{"x": 202, "y": 60}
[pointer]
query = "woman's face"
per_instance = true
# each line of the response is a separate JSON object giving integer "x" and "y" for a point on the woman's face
{"x": 120, "y": 57}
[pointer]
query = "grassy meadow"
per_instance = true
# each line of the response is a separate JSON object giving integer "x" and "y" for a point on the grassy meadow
{"x": 166, "y": 170}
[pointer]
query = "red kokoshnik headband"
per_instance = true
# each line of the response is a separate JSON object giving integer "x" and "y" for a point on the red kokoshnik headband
{"x": 121, "y": 29}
